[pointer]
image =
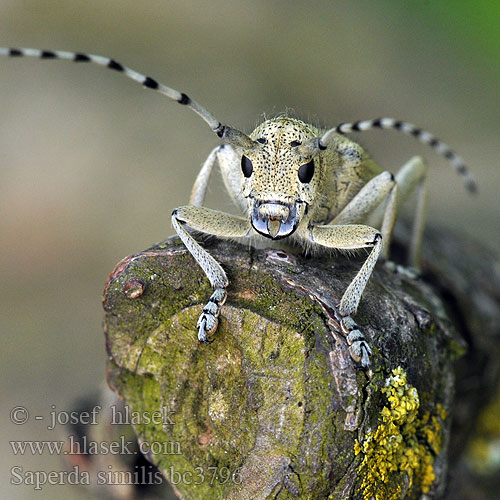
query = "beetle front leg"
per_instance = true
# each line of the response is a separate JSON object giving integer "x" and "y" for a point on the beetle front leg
{"x": 351, "y": 237}
{"x": 214, "y": 223}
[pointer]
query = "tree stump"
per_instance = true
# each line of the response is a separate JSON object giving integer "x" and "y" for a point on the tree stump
{"x": 275, "y": 407}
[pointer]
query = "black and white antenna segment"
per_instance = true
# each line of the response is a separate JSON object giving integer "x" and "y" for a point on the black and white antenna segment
{"x": 147, "y": 81}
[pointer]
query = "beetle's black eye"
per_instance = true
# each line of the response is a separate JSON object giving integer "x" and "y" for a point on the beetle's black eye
{"x": 262, "y": 140}
{"x": 294, "y": 144}
{"x": 246, "y": 166}
{"x": 306, "y": 172}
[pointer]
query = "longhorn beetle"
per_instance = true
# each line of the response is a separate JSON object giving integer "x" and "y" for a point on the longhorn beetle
{"x": 292, "y": 180}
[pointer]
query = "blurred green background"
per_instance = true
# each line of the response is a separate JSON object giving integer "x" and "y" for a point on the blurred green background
{"x": 91, "y": 165}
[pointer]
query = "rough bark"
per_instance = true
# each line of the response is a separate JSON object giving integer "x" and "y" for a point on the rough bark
{"x": 275, "y": 407}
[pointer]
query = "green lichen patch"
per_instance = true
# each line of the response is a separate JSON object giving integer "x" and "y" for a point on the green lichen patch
{"x": 398, "y": 456}
{"x": 234, "y": 403}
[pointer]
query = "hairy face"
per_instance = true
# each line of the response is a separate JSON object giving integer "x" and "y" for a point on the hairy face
{"x": 278, "y": 181}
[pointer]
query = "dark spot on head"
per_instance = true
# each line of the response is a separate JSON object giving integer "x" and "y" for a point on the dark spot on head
{"x": 306, "y": 172}
{"x": 246, "y": 166}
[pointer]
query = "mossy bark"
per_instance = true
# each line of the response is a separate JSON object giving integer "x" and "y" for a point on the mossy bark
{"x": 275, "y": 407}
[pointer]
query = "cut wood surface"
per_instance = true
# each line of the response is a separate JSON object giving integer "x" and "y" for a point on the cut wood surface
{"x": 275, "y": 407}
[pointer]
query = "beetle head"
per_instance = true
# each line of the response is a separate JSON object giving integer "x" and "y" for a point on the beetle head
{"x": 278, "y": 180}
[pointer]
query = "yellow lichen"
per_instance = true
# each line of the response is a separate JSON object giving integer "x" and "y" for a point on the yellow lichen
{"x": 399, "y": 453}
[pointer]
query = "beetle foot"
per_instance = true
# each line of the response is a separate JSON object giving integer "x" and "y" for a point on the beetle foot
{"x": 209, "y": 318}
{"x": 359, "y": 349}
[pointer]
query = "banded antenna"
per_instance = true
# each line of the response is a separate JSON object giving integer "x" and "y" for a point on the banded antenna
{"x": 440, "y": 147}
{"x": 228, "y": 134}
